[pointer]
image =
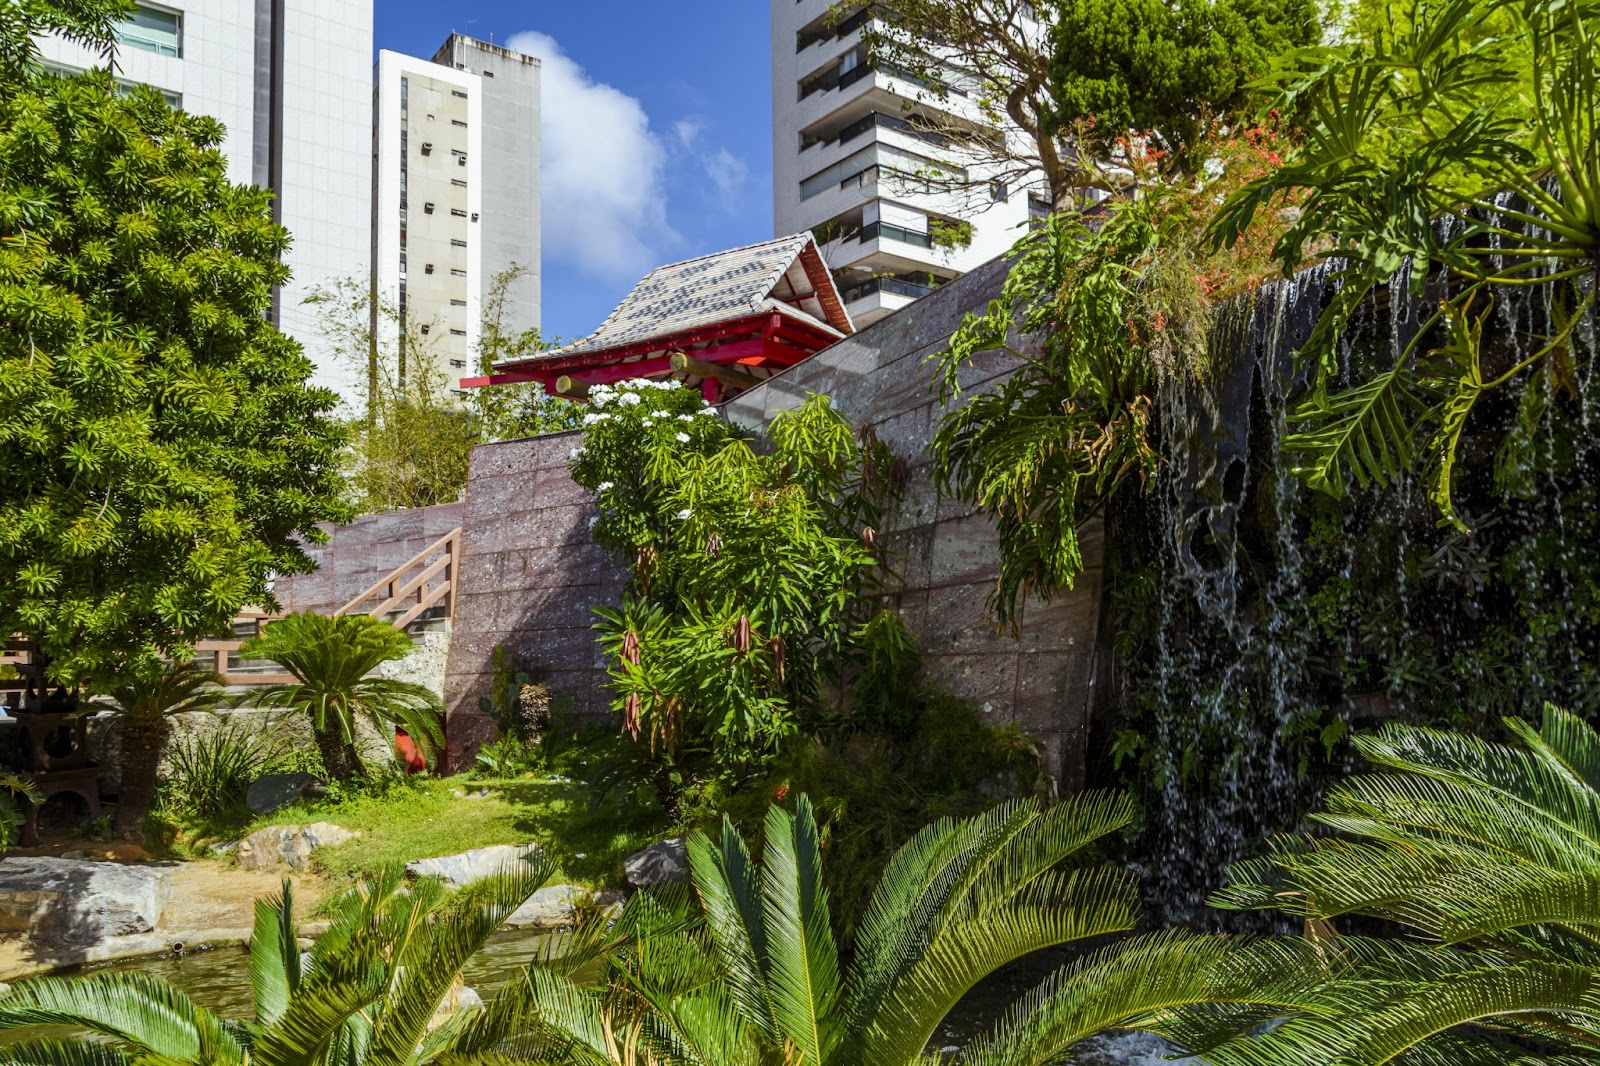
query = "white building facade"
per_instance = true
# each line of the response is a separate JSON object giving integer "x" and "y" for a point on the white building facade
{"x": 847, "y": 149}
{"x": 455, "y": 195}
{"x": 291, "y": 81}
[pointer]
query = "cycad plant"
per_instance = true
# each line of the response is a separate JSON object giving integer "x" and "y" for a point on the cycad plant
{"x": 145, "y": 705}
{"x": 1488, "y": 858}
{"x": 330, "y": 658}
{"x": 764, "y": 981}
{"x": 381, "y": 986}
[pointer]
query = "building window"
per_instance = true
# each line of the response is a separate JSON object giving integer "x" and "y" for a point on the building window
{"x": 427, "y": 208}
{"x": 459, "y": 364}
{"x": 457, "y": 243}
{"x": 487, "y": 73}
{"x": 457, "y": 272}
{"x": 458, "y": 303}
{"x": 458, "y": 212}
{"x": 152, "y": 30}
{"x": 458, "y": 93}
{"x": 458, "y": 122}
{"x": 426, "y": 328}
{"x": 461, "y": 182}
{"x": 458, "y": 333}
{"x": 999, "y": 192}
{"x": 427, "y": 147}
{"x": 427, "y": 268}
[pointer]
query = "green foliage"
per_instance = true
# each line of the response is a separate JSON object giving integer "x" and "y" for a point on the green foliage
{"x": 506, "y": 412}
{"x": 1483, "y": 854}
{"x": 368, "y": 991}
{"x": 15, "y": 790}
{"x": 1095, "y": 318}
{"x": 209, "y": 772}
{"x": 163, "y": 448}
{"x": 181, "y": 686}
{"x": 1458, "y": 136}
{"x": 764, "y": 979}
{"x": 330, "y": 658}
{"x": 1167, "y": 69}
{"x": 751, "y": 569}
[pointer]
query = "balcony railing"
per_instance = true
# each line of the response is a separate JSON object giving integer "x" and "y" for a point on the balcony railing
{"x": 874, "y": 230}
{"x": 896, "y": 286}
{"x": 806, "y": 38}
{"x": 878, "y": 120}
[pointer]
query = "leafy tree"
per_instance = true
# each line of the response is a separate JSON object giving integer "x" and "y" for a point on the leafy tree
{"x": 506, "y": 412}
{"x": 1096, "y": 318}
{"x": 750, "y": 569}
{"x": 370, "y": 990}
{"x": 1028, "y": 94}
{"x": 763, "y": 980}
{"x": 1456, "y": 142}
{"x": 1173, "y": 70}
{"x": 145, "y": 705}
{"x": 1484, "y": 854}
{"x": 164, "y": 452}
{"x": 331, "y": 658}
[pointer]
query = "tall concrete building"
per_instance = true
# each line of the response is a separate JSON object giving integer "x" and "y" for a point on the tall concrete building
{"x": 292, "y": 82}
{"x": 848, "y": 144}
{"x": 455, "y": 199}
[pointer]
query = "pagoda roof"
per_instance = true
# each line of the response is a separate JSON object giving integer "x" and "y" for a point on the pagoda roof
{"x": 685, "y": 304}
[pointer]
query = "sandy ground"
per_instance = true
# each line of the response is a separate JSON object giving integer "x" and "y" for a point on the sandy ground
{"x": 211, "y": 904}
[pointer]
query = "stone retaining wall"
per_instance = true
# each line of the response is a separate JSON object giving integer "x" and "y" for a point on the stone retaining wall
{"x": 530, "y": 575}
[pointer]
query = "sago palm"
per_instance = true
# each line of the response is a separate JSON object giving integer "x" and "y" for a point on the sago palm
{"x": 371, "y": 990}
{"x": 331, "y": 658}
{"x": 763, "y": 979}
{"x": 1488, "y": 856}
{"x": 145, "y": 705}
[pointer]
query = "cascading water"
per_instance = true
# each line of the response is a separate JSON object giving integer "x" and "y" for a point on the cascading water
{"x": 1276, "y": 617}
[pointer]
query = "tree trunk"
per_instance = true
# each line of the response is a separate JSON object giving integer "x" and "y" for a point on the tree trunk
{"x": 143, "y": 738}
{"x": 339, "y": 756}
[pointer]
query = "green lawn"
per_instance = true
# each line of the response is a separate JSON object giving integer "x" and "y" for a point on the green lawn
{"x": 422, "y": 819}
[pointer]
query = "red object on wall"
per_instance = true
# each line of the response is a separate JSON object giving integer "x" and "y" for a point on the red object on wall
{"x": 406, "y": 750}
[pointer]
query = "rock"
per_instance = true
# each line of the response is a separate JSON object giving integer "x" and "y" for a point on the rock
{"x": 80, "y": 902}
{"x": 470, "y": 866}
{"x": 558, "y": 906}
{"x": 223, "y": 850}
{"x": 480, "y": 794}
{"x": 276, "y": 791}
{"x": 667, "y": 861}
{"x": 288, "y": 844}
{"x": 76, "y": 853}
{"x": 459, "y": 999}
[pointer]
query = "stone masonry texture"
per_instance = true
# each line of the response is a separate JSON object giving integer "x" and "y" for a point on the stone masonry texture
{"x": 530, "y": 575}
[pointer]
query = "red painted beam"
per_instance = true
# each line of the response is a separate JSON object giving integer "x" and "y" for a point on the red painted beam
{"x": 513, "y": 377}
{"x": 732, "y": 330}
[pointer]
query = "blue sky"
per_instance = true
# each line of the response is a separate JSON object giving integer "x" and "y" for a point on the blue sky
{"x": 657, "y": 131}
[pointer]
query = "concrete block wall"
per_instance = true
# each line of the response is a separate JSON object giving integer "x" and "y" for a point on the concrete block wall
{"x": 530, "y": 576}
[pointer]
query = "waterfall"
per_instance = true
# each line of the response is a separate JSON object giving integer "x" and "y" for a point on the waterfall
{"x": 1282, "y": 617}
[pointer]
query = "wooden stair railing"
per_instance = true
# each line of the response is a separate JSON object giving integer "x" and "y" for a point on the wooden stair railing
{"x": 411, "y": 594}
{"x": 438, "y": 565}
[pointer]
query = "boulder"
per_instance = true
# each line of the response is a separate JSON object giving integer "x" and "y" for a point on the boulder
{"x": 558, "y": 906}
{"x": 80, "y": 902}
{"x": 470, "y": 866}
{"x": 290, "y": 845}
{"x": 276, "y": 791}
{"x": 667, "y": 861}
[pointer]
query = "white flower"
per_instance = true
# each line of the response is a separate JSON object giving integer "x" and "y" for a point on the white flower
{"x": 575, "y": 454}
{"x": 605, "y": 486}
{"x": 593, "y": 519}
{"x": 591, "y": 418}
{"x": 648, "y": 423}
{"x": 686, "y": 418}
{"x": 599, "y": 399}
{"x": 685, "y": 514}
{"x": 708, "y": 411}
{"x": 683, "y": 438}
{"x": 628, "y": 399}
{"x": 660, "y": 414}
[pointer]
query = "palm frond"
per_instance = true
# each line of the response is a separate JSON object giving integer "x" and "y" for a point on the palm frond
{"x": 134, "y": 1008}
{"x": 804, "y": 973}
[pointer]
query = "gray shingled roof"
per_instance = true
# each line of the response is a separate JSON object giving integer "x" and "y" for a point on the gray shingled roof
{"x": 696, "y": 293}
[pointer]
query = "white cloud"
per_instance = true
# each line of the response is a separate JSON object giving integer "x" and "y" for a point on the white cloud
{"x": 728, "y": 173}
{"x": 605, "y": 205}
{"x": 688, "y": 131}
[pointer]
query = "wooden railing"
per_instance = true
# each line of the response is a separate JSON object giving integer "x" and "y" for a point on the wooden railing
{"x": 432, "y": 584}
{"x": 423, "y": 582}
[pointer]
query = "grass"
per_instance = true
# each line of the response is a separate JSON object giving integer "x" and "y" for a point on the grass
{"x": 422, "y": 818}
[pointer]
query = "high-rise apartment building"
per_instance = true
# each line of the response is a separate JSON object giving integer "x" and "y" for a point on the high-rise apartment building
{"x": 853, "y": 150}
{"x": 455, "y": 199}
{"x": 292, "y": 82}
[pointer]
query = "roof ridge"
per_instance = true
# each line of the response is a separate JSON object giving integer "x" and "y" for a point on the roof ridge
{"x": 729, "y": 251}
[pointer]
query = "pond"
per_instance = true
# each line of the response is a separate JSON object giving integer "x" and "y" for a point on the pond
{"x": 219, "y": 979}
